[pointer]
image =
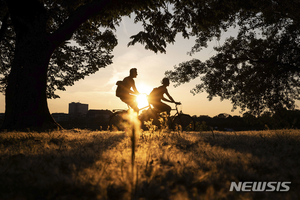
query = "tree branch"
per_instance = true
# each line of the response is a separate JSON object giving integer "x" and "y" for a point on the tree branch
{"x": 4, "y": 26}
{"x": 79, "y": 16}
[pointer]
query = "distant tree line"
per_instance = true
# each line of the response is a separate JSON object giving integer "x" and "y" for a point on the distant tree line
{"x": 85, "y": 122}
{"x": 225, "y": 122}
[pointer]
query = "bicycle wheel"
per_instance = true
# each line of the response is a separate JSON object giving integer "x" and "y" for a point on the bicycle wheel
{"x": 118, "y": 121}
{"x": 148, "y": 118}
{"x": 185, "y": 121}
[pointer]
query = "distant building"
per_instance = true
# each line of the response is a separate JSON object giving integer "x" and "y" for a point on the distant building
{"x": 78, "y": 108}
{"x": 60, "y": 117}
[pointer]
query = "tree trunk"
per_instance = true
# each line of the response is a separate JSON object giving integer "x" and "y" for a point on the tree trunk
{"x": 26, "y": 100}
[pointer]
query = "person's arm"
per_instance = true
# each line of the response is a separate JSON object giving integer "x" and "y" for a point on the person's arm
{"x": 135, "y": 91}
{"x": 171, "y": 98}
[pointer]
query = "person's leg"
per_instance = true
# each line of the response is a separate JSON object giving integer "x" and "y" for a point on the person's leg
{"x": 162, "y": 107}
{"x": 156, "y": 107}
{"x": 134, "y": 106}
{"x": 166, "y": 108}
{"x": 131, "y": 101}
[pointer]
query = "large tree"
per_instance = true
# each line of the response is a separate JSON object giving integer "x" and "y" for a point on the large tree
{"x": 259, "y": 69}
{"x": 37, "y": 57}
{"x": 46, "y": 45}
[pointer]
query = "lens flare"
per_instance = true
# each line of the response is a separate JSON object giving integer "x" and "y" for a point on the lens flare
{"x": 142, "y": 101}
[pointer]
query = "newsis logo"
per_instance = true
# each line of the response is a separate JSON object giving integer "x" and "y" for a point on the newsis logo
{"x": 260, "y": 186}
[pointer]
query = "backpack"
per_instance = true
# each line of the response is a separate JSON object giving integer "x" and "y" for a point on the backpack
{"x": 120, "y": 88}
{"x": 154, "y": 94}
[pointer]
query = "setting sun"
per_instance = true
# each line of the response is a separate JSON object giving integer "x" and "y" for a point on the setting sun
{"x": 142, "y": 100}
{"x": 144, "y": 89}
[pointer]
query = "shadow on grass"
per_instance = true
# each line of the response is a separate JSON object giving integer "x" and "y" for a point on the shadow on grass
{"x": 277, "y": 150}
{"x": 170, "y": 166}
{"x": 261, "y": 156}
{"x": 39, "y": 168}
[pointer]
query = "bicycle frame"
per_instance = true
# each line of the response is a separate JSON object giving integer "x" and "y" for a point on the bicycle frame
{"x": 178, "y": 118}
{"x": 176, "y": 109}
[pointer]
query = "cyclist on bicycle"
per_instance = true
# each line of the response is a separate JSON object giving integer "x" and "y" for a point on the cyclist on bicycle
{"x": 127, "y": 91}
{"x": 157, "y": 95}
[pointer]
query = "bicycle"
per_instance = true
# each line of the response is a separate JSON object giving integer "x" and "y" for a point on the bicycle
{"x": 119, "y": 119}
{"x": 178, "y": 121}
{"x": 182, "y": 121}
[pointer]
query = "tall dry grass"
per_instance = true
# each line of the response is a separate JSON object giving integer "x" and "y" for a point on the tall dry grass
{"x": 81, "y": 164}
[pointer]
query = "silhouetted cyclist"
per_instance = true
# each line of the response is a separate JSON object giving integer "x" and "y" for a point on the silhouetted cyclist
{"x": 157, "y": 95}
{"x": 127, "y": 91}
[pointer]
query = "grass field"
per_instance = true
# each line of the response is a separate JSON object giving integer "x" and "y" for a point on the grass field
{"x": 81, "y": 164}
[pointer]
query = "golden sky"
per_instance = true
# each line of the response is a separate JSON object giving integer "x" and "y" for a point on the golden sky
{"x": 98, "y": 90}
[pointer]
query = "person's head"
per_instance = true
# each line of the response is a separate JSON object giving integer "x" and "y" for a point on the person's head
{"x": 133, "y": 72}
{"x": 165, "y": 82}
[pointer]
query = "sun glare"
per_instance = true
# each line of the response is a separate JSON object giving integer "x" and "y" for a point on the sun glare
{"x": 142, "y": 100}
{"x": 144, "y": 89}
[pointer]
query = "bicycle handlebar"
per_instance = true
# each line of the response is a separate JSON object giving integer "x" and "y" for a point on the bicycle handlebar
{"x": 176, "y": 106}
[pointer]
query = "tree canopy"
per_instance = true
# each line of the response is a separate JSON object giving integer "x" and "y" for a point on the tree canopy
{"x": 65, "y": 20}
{"x": 94, "y": 32}
{"x": 47, "y": 45}
{"x": 258, "y": 69}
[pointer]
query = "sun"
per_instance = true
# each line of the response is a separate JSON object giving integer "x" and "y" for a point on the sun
{"x": 142, "y": 100}
{"x": 144, "y": 88}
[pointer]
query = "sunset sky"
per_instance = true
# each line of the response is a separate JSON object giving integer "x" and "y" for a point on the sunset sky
{"x": 98, "y": 90}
